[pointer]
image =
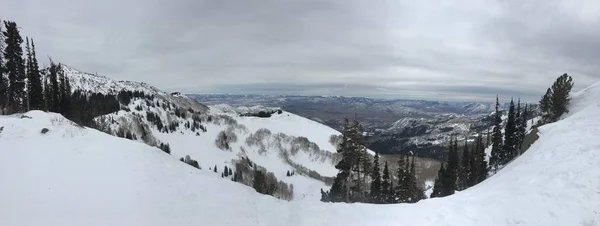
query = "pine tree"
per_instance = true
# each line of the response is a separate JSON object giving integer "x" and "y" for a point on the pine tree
{"x": 226, "y": 171}
{"x": 438, "y": 186}
{"x": 509, "y": 134}
{"x": 518, "y": 126}
{"x": 375, "y": 192}
{"x": 3, "y": 82}
{"x": 54, "y": 90}
{"x": 478, "y": 165}
{"x": 497, "y": 144}
{"x": 401, "y": 190}
{"x": 230, "y": 171}
{"x": 386, "y": 185}
{"x": 465, "y": 167}
{"x": 14, "y": 67}
{"x": 415, "y": 193}
{"x": 452, "y": 168}
{"x": 215, "y": 168}
{"x": 554, "y": 103}
{"x": 346, "y": 187}
{"x": 37, "y": 93}
{"x": 27, "y": 74}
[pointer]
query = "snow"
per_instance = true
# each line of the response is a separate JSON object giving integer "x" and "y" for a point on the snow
{"x": 77, "y": 176}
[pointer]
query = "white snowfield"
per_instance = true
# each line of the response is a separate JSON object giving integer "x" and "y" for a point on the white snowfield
{"x": 76, "y": 176}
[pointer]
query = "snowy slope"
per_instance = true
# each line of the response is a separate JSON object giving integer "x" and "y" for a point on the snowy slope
{"x": 75, "y": 176}
{"x": 285, "y": 137}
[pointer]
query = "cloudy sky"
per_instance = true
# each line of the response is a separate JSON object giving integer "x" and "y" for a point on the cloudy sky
{"x": 448, "y": 50}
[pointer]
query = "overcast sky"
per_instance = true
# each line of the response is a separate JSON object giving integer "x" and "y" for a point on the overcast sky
{"x": 463, "y": 50}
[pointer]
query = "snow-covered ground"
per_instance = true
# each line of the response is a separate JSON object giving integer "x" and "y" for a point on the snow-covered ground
{"x": 77, "y": 176}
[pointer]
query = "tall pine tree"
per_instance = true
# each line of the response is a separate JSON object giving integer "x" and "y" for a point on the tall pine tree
{"x": 386, "y": 184}
{"x": 3, "y": 82}
{"x": 54, "y": 88}
{"x": 465, "y": 167}
{"x": 14, "y": 67}
{"x": 452, "y": 167}
{"x": 375, "y": 192}
{"x": 509, "y": 133}
{"x": 497, "y": 144}
{"x": 339, "y": 189}
{"x": 34, "y": 82}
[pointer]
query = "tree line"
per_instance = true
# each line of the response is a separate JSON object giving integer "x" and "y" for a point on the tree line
{"x": 361, "y": 178}
{"x": 464, "y": 167}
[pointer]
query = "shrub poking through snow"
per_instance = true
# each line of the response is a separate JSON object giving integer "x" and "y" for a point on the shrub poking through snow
{"x": 45, "y": 130}
{"x": 188, "y": 160}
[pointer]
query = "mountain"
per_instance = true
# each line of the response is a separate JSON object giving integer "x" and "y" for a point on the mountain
{"x": 73, "y": 175}
{"x": 394, "y": 126}
{"x": 217, "y": 135}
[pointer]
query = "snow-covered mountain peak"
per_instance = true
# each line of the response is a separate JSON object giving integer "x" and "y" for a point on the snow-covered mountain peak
{"x": 101, "y": 84}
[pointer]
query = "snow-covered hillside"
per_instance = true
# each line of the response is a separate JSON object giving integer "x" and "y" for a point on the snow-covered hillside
{"x": 79, "y": 176}
{"x": 284, "y": 142}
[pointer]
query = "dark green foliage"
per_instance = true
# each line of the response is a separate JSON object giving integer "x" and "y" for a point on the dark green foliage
{"x": 339, "y": 189}
{"x": 465, "y": 168}
{"x": 34, "y": 82}
{"x": 14, "y": 67}
{"x": 215, "y": 168}
{"x": 288, "y": 173}
{"x": 54, "y": 91}
{"x": 226, "y": 171}
{"x": 230, "y": 173}
{"x": 452, "y": 167}
{"x": 85, "y": 107}
{"x": 375, "y": 193}
{"x": 510, "y": 136}
{"x": 497, "y": 140}
{"x": 386, "y": 184}
{"x": 188, "y": 160}
{"x": 554, "y": 103}
{"x": 3, "y": 81}
{"x": 165, "y": 147}
{"x": 445, "y": 183}
{"x": 260, "y": 182}
{"x": 44, "y": 130}
{"x": 478, "y": 166}
{"x": 438, "y": 186}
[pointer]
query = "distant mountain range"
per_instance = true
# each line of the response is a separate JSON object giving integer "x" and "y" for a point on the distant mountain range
{"x": 394, "y": 126}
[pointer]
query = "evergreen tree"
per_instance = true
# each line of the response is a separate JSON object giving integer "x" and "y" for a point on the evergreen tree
{"x": 438, "y": 186}
{"x": 53, "y": 88}
{"x": 36, "y": 93}
{"x": 260, "y": 182}
{"x": 230, "y": 171}
{"x": 375, "y": 192}
{"x": 339, "y": 189}
{"x": 518, "y": 126}
{"x": 509, "y": 134}
{"x": 415, "y": 193}
{"x": 347, "y": 185}
{"x": 226, "y": 171}
{"x": 386, "y": 185}
{"x": 27, "y": 74}
{"x": 215, "y": 168}
{"x": 47, "y": 95}
{"x": 554, "y": 103}
{"x": 452, "y": 168}
{"x": 401, "y": 190}
{"x": 3, "y": 82}
{"x": 497, "y": 144}
{"x": 14, "y": 67}
{"x": 478, "y": 165}
{"x": 465, "y": 167}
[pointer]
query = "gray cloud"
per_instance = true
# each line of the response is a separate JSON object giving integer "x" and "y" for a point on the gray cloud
{"x": 393, "y": 49}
